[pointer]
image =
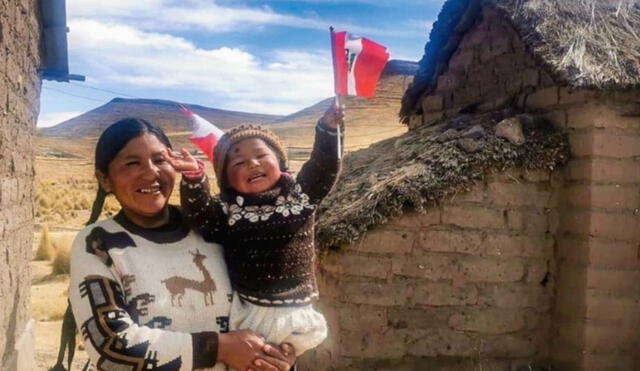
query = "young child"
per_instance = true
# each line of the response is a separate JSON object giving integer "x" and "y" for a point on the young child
{"x": 264, "y": 219}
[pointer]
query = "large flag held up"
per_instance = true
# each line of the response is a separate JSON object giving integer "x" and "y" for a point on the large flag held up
{"x": 205, "y": 135}
{"x": 357, "y": 64}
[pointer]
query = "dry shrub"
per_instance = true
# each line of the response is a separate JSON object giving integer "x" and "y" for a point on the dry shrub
{"x": 62, "y": 242}
{"x": 46, "y": 248}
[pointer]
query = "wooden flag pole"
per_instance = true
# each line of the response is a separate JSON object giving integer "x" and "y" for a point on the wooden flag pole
{"x": 335, "y": 84}
{"x": 338, "y": 105}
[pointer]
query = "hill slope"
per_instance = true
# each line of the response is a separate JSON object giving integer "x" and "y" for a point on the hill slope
{"x": 164, "y": 113}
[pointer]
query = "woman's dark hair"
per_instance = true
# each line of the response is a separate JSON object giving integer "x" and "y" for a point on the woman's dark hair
{"x": 112, "y": 140}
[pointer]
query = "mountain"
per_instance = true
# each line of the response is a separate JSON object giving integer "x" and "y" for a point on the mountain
{"x": 163, "y": 113}
{"x": 367, "y": 120}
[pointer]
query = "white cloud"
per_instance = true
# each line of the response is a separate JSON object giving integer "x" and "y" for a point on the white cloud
{"x": 47, "y": 120}
{"x": 167, "y": 15}
{"x": 123, "y": 55}
{"x": 421, "y": 25}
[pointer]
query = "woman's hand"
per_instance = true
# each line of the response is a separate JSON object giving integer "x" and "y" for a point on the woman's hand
{"x": 182, "y": 162}
{"x": 275, "y": 358}
{"x": 239, "y": 349}
{"x": 333, "y": 116}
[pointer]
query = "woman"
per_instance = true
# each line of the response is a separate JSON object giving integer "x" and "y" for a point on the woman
{"x": 146, "y": 292}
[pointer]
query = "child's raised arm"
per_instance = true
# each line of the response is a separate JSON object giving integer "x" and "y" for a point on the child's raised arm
{"x": 320, "y": 172}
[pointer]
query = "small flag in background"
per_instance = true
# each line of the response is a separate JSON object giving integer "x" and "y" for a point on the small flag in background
{"x": 205, "y": 135}
{"x": 357, "y": 64}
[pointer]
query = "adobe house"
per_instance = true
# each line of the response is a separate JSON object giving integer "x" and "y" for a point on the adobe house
{"x": 502, "y": 231}
{"x": 32, "y": 47}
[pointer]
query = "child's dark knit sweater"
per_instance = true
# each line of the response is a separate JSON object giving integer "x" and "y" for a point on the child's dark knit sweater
{"x": 268, "y": 238}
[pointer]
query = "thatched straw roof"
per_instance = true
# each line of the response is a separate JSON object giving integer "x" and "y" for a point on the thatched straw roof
{"x": 590, "y": 44}
{"x": 416, "y": 170}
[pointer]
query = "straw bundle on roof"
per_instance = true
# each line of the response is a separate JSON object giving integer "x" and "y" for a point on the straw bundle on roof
{"x": 418, "y": 169}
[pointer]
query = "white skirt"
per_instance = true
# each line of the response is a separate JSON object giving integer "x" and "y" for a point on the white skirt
{"x": 303, "y": 327}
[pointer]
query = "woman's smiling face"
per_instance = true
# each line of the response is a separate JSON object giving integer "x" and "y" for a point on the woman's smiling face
{"x": 142, "y": 180}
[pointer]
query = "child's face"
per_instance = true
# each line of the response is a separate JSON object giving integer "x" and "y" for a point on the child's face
{"x": 252, "y": 166}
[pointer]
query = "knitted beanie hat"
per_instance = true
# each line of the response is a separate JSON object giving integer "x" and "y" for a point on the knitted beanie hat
{"x": 241, "y": 133}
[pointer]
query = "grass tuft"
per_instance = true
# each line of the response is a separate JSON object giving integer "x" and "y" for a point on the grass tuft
{"x": 46, "y": 249}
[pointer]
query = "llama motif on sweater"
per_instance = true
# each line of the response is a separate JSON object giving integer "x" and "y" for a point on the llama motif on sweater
{"x": 144, "y": 299}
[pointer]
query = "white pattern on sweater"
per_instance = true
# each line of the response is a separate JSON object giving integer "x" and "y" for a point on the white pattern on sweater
{"x": 181, "y": 286}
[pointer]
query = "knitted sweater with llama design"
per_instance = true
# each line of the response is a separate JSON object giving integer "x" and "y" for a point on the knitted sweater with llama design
{"x": 149, "y": 299}
{"x": 268, "y": 238}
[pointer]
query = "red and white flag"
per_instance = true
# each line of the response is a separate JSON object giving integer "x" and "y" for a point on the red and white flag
{"x": 205, "y": 135}
{"x": 357, "y": 64}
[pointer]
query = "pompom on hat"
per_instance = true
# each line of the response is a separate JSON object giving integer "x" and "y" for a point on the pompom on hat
{"x": 239, "y": 134}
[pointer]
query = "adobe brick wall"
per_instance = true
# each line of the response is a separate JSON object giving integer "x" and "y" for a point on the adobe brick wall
{"x": 469, "y": 284}
{"x": 597, "y": 304}
{"x": 490, "y": 67}
{"x": 19, "y": 106}
{"x": 598, "y": 309}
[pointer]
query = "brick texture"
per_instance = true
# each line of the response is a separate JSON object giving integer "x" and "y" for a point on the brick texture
{"x": 529, "y": 266}
{"x": 19, "y": 105}
{"x": 471, "y": 276}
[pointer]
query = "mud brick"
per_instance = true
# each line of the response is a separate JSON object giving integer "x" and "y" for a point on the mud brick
{"x": 536, "y": 176}
{"x": 621, "y": 171}
{"x": 473, "y": 217}
{"x": 444, "y": 294}
{"x": 622, "y": 227}
{"x": 433, "y": 103}
{"x": 451, "y": 240}
{"x": 557, "y": 117}
{"x": 363, "y": 343}
{"x": 603, "y": 339}
{"x": 615, "y": 281}
{"x": 607, "y": 144}
{"x": 612, "y": 254}
{"x": 416, "y": 220}
{"x": 569, "y": 96}
{"x": 610, "y": 361}
{"x": 381, "y": 240}
{"x": 509, "y": 346}
{"x": 357, "y": 265}
{"x": 443, "y": 343}
{"x": 488, "y": 321}
{"x": 543, "y": 98}
{"x": 531, "y": 222}
{"x": 585, "y": 117}
{"x": 537, "y": 271}
{"x": 434, "y": 267}
{"x": 614, "y": 311}
{"x": 492, "y": 270}
{"x": 608, "y": 197}
{"x": 366, "y": 291}
{"x": 518, "y": 194}
{"x": 517, "y": 245}
{"x": 515, "y": 295}
{"x": 461, "y": 59}
{"x": 424, "y": 318}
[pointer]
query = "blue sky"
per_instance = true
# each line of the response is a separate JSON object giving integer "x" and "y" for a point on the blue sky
{"x": 247, "y": 55}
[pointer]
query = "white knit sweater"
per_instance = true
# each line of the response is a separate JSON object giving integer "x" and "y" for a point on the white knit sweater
{"x": 149, "y": 299}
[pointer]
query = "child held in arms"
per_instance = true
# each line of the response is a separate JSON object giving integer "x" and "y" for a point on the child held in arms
{"x": 264, "y": 218}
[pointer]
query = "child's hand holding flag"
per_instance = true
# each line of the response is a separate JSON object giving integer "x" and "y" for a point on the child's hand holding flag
{"x": 333, "y": 117}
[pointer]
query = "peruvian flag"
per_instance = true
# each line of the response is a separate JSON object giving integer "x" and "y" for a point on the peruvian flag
{"x": 357, "y": 64}
{"x": 205, "y": 135}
